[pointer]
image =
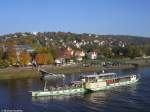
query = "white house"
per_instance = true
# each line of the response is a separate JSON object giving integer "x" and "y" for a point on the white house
{"x": 93, "y": 55}
{"x": 79, "y": 55}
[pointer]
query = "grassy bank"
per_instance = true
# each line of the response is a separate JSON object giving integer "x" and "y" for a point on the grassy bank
{"x": 18, "y": 74}
{"x": 70, "y": 70}
{"x": 139, "y": 62}
{"x": 30, "y": 73}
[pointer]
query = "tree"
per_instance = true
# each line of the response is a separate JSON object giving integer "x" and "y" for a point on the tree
{"x": 41, "y": 59}
{"x": 1, "y": 54}
{"x": 24, "y": 58}
{"x": 50, "y": 58}
{"x": 105, "y": 51}
{"x": 44, "y": 58}
{"x": 12, "y": 56}
{"x": 134, "y": 51}
{"x": 55, "y": 52}
{"x": 1, "y": 60}
{"x": 146, "y": 49}
{"x": 120, "y": 51}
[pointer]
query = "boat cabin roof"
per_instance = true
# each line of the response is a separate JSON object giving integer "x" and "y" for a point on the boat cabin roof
{"x": 76, "y": 82}
{"x": 98, "y": 75}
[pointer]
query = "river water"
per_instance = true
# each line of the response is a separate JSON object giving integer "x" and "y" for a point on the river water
{"x": 14, "y": 95}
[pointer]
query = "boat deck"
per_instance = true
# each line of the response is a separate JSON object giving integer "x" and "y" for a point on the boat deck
{"x": 58, "y": 92}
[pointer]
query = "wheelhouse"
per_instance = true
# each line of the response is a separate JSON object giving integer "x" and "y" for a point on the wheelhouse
{"x": 98, "y": 77}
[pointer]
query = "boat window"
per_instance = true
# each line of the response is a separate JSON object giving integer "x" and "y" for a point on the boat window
{"x": 86, "y": 79}
{"x": 105, "y": 77}
{"x": 90, "y": 79}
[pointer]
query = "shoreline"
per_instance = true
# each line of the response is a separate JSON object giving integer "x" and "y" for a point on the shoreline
{"x": 17, "y": 73}
{"x": 29, "y": 72}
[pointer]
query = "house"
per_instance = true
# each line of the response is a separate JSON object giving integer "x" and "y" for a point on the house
{"x": 64, "y": 56}
{"x": 34, "y": 33}
{"x": 19, "y": 48}
{"x": 26, "y": 48}
{"x": 92, "y": 55}
{"x": 59, "y": 61}
{"x": 79, "y": 55}
{"x": 68, "y": 53}
{"x": 79, "y": 58}
{"x": 78, "y": 45}
{"x": 71, "y": 52}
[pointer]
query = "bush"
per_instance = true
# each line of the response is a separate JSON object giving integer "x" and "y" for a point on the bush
{"x": 4, "y": 64}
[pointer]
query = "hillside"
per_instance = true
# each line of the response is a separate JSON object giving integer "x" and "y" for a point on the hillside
{"x": 45, "y": 47}
{"x": 71, "y": 37}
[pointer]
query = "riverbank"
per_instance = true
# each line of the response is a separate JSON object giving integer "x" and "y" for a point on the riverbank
{"x": 18, "y": 73}
{"x": 28, "y": 72}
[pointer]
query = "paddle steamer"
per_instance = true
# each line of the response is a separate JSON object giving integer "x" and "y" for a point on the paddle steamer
{"x": 87, "y": 83}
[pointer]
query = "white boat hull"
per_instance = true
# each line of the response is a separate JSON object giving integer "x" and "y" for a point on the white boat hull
{"x": 58, "y": 92}
{"x": 113, "y": 85}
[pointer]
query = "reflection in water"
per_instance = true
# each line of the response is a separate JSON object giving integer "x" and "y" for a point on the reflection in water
{"x": 94, "y": 95}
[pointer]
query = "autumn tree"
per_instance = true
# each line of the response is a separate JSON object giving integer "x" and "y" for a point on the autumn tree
{"x": 50, "y": 58}
{"x": 40, "y": 59}
{"x": 1, "y": 55}
{"x": 24, "y": 58}
{"x": 44, "y": 58}
{"x": 12, "y": 56}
